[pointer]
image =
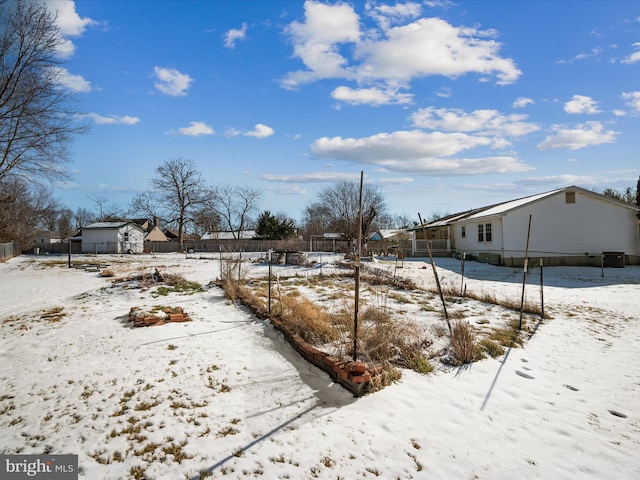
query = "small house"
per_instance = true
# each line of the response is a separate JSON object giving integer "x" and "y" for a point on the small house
{"x": 567, "y": 226}
{"x": 112, "y": 237}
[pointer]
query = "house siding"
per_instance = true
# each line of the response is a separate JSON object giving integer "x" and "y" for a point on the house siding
{"x": 112, "y": 240}
{"x": 570, "y": 233}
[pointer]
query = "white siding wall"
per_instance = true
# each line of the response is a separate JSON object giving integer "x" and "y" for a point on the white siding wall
{"x": 136, "y": 239}
{"x": 111, "y": 240}
{"x": 470, "y": 242}
{"x": 99, "y": 240}
{"x": 588, "y": 226}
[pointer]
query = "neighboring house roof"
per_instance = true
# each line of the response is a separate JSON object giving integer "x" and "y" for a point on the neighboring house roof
{"x": 110, "y": 225}
{"x": 226, "y": 235}
{"x": 385, "y": 234}
{"x": 156, "y": 235}
{"x": 172, "y": 234}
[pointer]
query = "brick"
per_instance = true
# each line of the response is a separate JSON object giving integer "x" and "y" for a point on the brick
{"x": 331, "y": 361}
{"x": 309, "y": 350}
{"x": 356, "y": 367}
{"x": 177, "y": 317}
{"x": 167, "y": 309}
{"x": 364, "y": 378}
{"x": 342, "y": 373}
{"x": 319, "y": 356}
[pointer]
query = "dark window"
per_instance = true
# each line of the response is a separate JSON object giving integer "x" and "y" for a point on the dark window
{"x": 126, "y": 236}
{"x": 481, "y": 233}
{"x": 464, "y": 232}
{"x": 487, "y": 232}
{"x": 570, "y": 197}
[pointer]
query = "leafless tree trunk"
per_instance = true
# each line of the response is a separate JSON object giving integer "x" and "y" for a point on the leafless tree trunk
{"x": 234, "y": 206}
{"x": 37, "y": 116}
{"x": 339, "y": 205}
{"x": 178, "y": 193}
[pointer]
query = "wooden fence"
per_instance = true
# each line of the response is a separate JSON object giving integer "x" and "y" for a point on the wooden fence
{"x": 8, "y": 250}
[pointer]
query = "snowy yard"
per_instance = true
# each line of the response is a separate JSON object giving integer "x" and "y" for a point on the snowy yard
{"x": 224, "y": 396}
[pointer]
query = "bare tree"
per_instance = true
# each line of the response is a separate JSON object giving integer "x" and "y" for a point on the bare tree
{"x": 178, "y": 194}
{"x": 234, "y": 205}
{"x": 23, "y": 209}
{"x": 37, "y": 115}
{"x": 338, "y": 206}
{"x": 82, "y": 217}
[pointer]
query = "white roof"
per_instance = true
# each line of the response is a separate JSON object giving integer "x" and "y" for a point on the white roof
{"x": 505, "y": 207}
{"x": 243, "y": 234}
{"x": 105, "y": 225}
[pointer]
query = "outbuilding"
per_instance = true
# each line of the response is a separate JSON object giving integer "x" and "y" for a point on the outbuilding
{"x": 112, "y": 237}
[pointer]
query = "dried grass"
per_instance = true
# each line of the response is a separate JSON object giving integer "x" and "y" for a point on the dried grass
{"x": 463, "y": 343}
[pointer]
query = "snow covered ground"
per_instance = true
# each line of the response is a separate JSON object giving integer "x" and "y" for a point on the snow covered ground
{"x": 223, "y": 396}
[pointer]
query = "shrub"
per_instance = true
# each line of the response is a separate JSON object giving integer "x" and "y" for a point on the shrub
{"x": 491, "y": 347}
{"x": 463, "y": 343}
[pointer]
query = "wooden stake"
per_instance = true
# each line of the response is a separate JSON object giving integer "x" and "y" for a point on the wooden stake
{"x": 435, "y": 274}
{"x": 524, "y": 273}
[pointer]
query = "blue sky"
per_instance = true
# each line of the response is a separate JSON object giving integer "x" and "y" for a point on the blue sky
{"x": 444, "y": 105}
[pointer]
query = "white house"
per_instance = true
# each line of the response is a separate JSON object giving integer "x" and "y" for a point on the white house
{"x": 228, "y": 235}
{"x": 112, "y": 237}
{"x": 569, "y": 226}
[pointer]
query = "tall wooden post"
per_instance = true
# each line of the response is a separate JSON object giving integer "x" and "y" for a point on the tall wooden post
{"x": 357, "y": 274}
{"x": 524, "y": 272}
{"x": 435, "y": 274}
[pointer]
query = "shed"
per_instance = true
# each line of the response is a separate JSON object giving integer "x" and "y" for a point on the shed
{"x": 112, "y": 237}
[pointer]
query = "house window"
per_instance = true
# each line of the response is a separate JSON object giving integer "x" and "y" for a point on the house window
{"x": 569, "y": 197}
{"x": 464, "y": 232}
{"x": 126, "y": 236}
{"x": 487, "y": 232}
{"x": 481, "y": 233}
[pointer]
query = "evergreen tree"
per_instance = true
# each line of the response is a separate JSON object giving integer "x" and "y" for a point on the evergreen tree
{"x": 270, "y": 227}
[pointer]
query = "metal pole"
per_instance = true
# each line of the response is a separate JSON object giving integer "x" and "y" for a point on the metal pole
{"x": 435, "y": 274}
{"x": 357, "y": 274}
{"x": 524, "y": 273}
{"x": 464, "y": 254}
{"x": 541, "y": 289}
{"x": 69, "y": 242}
{"x": 269, "y": 260}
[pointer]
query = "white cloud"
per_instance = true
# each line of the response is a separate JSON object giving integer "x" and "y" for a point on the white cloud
{"x": 385, "y": 15}
{"x": 171, "y": 81}
{"x": 233, "y": 35}
{"x": 594, "y": 52}
{"x": 75, "y": 83}
{"x": 371, "y": 96}
{"x": 260, "y": 131}
{"x": 632, "y": 99}
{"x": 195, "y": 129}
{"x": 316, "y": 177}
{"x": 70, "y": 24}
{"x": 581, "y": 104}
{"x": 484, "y": 122}
{"x": 417, "y": 152}
{"x": 428, "y": 46}
{"x": 316, "y": 41}
{"x": 68, "y": 20}
{"x": 112, "y": 119}
{"x": 431, "y": 46}
{"x": 444, "y": 92}
{"x": 635, "y": 56}
{"x": 288, "y": 190}
{"x": 522, "y": 102}
{"x": 587, "y": 135}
